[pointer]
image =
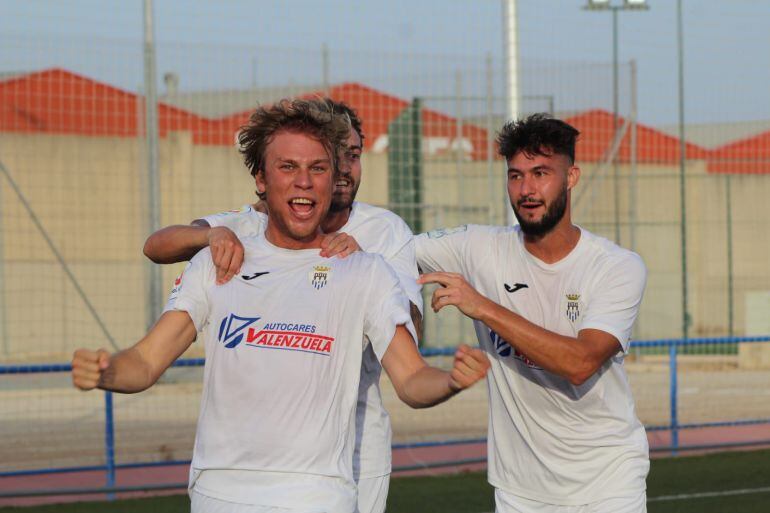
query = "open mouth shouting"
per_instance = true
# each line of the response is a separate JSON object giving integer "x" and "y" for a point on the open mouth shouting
{"x": 302, "y": 208}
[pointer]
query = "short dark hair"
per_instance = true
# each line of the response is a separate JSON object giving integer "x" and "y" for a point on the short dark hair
{"x": 539, "y": 134}
{"x": 352, "y": 115}
{"x": 318, "y": 118}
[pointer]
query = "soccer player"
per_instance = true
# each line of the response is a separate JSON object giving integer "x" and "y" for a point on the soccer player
{"x": 553, "y": 305}
{"x": 287, "y": 336}
{"x": 376, "y": 230}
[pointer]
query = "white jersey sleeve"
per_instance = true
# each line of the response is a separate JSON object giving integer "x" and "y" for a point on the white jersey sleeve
{"x": 616, "y": 298}
{"x": 245, "y": 222}
{"x": 404, "y": 263}
{"x": 450, "y": 249}
{"x": 189, "y": 292}
{"x": 387, "y": 308}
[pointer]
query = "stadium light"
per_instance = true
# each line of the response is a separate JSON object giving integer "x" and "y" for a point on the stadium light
{"x": 607, "y": 5}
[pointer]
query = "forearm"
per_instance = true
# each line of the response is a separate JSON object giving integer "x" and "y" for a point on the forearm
{"x": 559, "y": 354}
{"x": 128, "y": 373}
{"x": 427, "y": 387}
{"x": 176, "y": 243}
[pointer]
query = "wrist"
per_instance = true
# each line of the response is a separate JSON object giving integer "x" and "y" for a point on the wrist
{"x": 454, "y": 387}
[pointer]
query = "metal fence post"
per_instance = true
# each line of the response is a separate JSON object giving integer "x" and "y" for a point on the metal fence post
{"x": 672, "y": 366}
{"x": 109, "y": 443}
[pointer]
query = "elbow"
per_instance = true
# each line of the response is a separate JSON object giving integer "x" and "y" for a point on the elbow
{"x": 578, "y": 379}
{"x": 149, "y": 250}
{"x": 582, "y": 372}
{"x": 411, "y": 401}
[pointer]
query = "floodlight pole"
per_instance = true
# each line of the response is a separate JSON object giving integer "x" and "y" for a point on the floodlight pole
{"x": 682, "y": 168}
{"x": 153, "y": 180}
{"x": 594, "y": 5}
{"x": 512, "y": 93}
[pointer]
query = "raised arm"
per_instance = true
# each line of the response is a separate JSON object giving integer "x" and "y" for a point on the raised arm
{"x": 421, "y": 386}
{"x": 574, "y": 358}
{"x": 138, "y": 367}
{"x": 179, "y": 243}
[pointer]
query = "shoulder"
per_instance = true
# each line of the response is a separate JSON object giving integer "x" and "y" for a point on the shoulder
{"x": 468, "y": 231}
{"x": 608, "y": 256}
{"x": 245, "y": 212}
{"x": 201, "y": 264}
{"x": 364, "y": 213}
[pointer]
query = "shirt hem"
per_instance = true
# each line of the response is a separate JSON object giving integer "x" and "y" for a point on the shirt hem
{"x": 574, "y": 501}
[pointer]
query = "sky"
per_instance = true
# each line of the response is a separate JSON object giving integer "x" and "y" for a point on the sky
{"x": 415, "y": 47}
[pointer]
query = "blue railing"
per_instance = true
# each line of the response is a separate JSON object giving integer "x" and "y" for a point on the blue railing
{"x": 673, "y": 427}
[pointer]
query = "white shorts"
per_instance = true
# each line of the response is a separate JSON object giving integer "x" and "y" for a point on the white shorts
{"x": 373, "y": 494}
{"x": 508, "y": 503}
{"x": 200, "y": 503}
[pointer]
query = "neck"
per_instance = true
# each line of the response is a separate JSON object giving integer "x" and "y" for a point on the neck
{"x": 556, "y": 244}
{"x": 280, "y": 237}
{"x": 334, "y": 221}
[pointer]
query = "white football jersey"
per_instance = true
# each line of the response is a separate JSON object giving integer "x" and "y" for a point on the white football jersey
{"x": 549, "y": 440}
{"x": 379, "y": 231}
{"x": 283, "y": 357}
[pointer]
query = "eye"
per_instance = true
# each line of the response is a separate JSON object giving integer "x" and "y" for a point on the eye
{"x": 318, "y": 169}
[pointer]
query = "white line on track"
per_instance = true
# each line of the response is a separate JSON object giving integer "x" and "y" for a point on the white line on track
{"x": 724, "y": 493}
{"x": 686, "y": 496}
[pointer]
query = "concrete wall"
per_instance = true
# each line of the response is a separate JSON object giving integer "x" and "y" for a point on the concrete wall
{"x": 89, "y": 193}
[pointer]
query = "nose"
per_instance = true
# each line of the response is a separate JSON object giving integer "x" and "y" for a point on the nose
{"x": 527, "y": 185}
{"x": 302, "y": 178}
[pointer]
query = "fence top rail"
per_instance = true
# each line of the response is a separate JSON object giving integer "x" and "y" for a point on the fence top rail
{"x": 427, "y": 352}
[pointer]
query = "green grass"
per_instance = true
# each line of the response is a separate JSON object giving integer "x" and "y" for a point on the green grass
{"x": 470, "y": 493}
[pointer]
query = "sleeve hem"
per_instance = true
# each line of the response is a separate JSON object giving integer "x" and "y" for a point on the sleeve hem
{"x": 623, "y": 340}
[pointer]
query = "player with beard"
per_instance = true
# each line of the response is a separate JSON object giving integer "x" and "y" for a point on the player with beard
{"x": 374, "y": 229}
{"x": 284, "y": 351}
{"x": 553, "y": 305}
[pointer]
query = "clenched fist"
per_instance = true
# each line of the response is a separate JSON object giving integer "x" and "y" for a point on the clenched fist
{"x": 88, "y": 367}
{"x": 470, "y": 365}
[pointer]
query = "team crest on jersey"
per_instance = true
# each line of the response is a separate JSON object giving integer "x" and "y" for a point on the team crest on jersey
{"x": 443, "y": 232}
{"x": 320, "y": 276}
{"x": 232, "y": 328}
{"x": 573, "y": 307}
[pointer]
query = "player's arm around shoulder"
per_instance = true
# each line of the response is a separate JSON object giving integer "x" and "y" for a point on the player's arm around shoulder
{"x": 138, "y": 367}
{"x": 177, "y": 243}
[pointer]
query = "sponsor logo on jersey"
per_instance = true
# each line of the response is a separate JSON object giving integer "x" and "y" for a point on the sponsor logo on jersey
{"x": 255, "y": 275}
{"x": 232, "y": 328}
{"x": 320, "y": 276}
{"x": 504, "y": 349}
{"x": 291, "y": 337}
{"x": 443, "y": 232}
{"x": 516, "y": 286}
{"x": 177, "y": 285}
{"x": 573, "y": 307}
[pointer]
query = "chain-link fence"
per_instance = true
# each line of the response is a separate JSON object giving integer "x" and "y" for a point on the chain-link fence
{"x": 75, "y": 200}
